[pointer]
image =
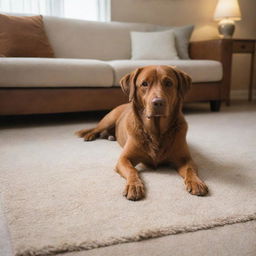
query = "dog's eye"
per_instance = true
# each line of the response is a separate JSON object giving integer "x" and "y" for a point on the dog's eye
{"x": 144, "y": 84}
{"x": 168, "y": 83}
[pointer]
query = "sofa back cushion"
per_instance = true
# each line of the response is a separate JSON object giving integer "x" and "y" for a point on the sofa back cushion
{"x": 72, "y": 38}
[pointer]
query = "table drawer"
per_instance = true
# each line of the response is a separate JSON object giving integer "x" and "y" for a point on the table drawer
{"x": 243, "y": 47}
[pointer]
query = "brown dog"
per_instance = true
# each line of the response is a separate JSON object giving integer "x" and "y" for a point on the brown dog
{"x": 151, "y": 128}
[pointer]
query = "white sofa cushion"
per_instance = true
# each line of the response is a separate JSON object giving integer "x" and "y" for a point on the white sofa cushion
{"x": 44, "y": 72}
{"x": 158, "y": 45}
{"x": 199, "y": 70}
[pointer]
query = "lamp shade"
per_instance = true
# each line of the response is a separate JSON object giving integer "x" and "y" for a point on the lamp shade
{"x": 227, "y": 9}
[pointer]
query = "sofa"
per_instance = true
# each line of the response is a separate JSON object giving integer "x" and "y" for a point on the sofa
{"x": 90, "y": 58}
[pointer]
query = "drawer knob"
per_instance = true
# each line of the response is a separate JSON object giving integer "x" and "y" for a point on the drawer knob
{"x": 243, "y": 46}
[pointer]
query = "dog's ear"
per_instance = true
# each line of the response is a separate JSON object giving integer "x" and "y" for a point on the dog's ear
{"x": 128, "y": 83}
{"x": 184, "y": 82}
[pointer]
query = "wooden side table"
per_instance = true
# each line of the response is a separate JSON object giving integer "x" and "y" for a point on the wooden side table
{"x": 246, "y": 46}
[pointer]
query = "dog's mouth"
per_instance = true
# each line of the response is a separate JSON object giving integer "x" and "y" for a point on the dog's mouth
{"x": 155, "y": 115}
{"x": 151, "y": 113}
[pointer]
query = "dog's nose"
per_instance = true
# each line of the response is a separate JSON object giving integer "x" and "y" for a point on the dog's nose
{"x": 158, "y": 102}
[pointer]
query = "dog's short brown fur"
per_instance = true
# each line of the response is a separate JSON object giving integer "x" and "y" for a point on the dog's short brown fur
{"x": 151, "y": 128}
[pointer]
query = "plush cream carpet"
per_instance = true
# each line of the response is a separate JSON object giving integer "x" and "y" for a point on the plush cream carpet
{"x": 61, "y": 194}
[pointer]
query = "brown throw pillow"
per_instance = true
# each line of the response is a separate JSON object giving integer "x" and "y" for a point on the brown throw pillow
{"x": 23, "y": 37}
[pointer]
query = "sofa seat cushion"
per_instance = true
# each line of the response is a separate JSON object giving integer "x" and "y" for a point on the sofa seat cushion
{"x": 46, "y": 72}
{"x": 199, "y": 70}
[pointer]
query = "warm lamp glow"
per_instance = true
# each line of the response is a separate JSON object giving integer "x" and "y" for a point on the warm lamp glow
{"x": 227, "y": 9}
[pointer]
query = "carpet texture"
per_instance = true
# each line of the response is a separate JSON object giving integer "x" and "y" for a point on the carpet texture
{"x": 61, "y": 194}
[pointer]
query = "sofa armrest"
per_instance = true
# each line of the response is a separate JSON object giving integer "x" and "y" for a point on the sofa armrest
{"x": 215, "y": 49}
{"x": 219, "y": 50}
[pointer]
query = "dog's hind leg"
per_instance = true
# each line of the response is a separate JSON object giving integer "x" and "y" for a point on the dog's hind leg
{"x": 105, "y": 128}
{"x": 108, "y": 134}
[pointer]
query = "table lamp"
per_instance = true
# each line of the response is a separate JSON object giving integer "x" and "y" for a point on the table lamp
{"x": 227, "y": 11}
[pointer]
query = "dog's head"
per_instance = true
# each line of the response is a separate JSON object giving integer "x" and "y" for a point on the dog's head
{"x": 156, "y": 89}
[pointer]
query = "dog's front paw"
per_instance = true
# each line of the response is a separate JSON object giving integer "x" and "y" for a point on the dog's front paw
{"x": 134, "y": 190}
{"x": 196, "y": 187}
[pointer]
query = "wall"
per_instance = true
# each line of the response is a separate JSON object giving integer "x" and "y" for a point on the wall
{"x": 198, "y": 12}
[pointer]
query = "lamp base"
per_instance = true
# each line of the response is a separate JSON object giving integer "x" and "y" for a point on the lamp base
{"x": 226, "y": 28}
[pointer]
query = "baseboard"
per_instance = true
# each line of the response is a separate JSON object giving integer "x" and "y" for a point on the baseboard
{"x": 241, "y": 94}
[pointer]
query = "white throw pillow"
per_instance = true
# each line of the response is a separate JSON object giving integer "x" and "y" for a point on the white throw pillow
{"x": 153, "y": 45}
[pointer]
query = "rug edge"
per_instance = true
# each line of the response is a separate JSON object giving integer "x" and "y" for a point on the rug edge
{"x": 144, "y": 235}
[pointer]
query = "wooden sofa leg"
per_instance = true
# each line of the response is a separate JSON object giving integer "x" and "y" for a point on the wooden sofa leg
{"x": 215, "y": 105}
